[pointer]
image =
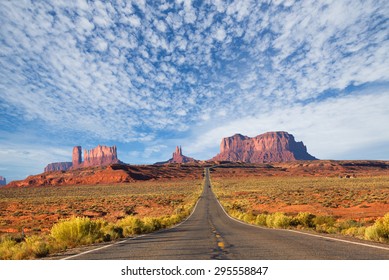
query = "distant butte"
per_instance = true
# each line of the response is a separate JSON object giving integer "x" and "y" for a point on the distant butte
{"x": 178, "y": 157}
{"x": 99, "y": 156}
{"x": 277, "y": 146}
{"x": 3, "y": 181}
{"x": 58, "y": 166}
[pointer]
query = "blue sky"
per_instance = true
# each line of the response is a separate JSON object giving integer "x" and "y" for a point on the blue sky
{"x": 149, "y": 75}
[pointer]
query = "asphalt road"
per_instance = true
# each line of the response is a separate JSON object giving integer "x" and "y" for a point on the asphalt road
{"x": 210, "y": 234}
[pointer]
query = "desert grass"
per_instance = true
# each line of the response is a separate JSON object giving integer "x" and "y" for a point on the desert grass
{"x": 337, "y": 201}
{"x": 50, "y": 220}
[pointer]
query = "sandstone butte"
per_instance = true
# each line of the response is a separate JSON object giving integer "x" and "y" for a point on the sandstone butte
{"x": 3, "y": 181}
{"x": 58, "y": 166}
{"x": 178, "y": 157}
{"x": 277, "y": 146}
{"x": 99, "y": 156}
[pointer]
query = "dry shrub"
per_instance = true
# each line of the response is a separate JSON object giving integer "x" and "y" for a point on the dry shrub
{"x": 380, "y": 230}
{"x": 78, "y": 231}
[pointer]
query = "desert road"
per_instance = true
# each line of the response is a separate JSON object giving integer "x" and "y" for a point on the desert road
{"x": 210, "y": 234}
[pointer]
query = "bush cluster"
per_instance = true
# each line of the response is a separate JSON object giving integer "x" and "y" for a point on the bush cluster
{"x": 29, "y": 248}
{"x": 379, "y": 231}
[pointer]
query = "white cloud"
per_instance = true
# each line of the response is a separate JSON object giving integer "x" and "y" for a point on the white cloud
{"x": 138, "y": 71}
{"x": 220, "y": 34}
{"x": 100, "y": 44}
{"x": 161, "y": 26}
{"x": 85, "y": 24}
{"x": 351, "y": 120}
{"x": 133, "y": 20}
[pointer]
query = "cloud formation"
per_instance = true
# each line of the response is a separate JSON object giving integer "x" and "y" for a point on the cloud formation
{"x": 139, "y": 71}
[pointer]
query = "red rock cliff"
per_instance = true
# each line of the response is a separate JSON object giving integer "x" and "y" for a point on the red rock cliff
{"x": 268, "y": 147}
{"x": 77, "y": 156}
{"x": 58, "y": 166}
{"x": 178, "y": 157}
{"x": 99, "y": 156}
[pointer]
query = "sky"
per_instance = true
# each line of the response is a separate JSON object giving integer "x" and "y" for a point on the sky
{"x": 147, "y": 76}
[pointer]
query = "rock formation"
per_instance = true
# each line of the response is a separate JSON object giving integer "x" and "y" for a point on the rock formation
{"x": 77, "y": 156}
{"x": 277, "y": 146}
{"x": 58, "y": 166}
{"x": 3, "y": 181}
{"x": 100, "y": 156}
{"x": 178, "y": 157}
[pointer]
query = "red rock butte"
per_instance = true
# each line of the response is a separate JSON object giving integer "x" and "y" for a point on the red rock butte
{"x": 99, "y": 156}
{"x": 277, "y": 146}
{"x": 58, "y": 166}
{"x": 178, "y": 157}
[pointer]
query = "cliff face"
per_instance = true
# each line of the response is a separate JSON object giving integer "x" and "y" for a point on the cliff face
{"x": 178, "y": 157}
{"x": 3, "y": 181}
{"x": 77, "y": 156}
{"x": 100, "y": 156}
{"x": 268, "y": 147}
{"x": 58, "y": 166}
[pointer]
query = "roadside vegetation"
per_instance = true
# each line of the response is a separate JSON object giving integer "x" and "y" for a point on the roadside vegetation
{"x": 355, "y": 207}
{"x": 172, "y": 202}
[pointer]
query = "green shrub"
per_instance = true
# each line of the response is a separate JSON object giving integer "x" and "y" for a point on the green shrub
{"x": 131, "y": 225}
{"x": 380, "y": 230}
{"x": 7, "y": 246}
{"x": 78, "y": 230}
{"x": 261, "y": 220}
{"x": 249, "y": 218}
{"x": 304, "y": 219}
{"x": 354, "y": 231}
{"x": 278, "y": 220}
{"x": 324, "y": 220}
{"x": 112, "y": 232}
{"x": 30, "y": 248}
{"x": 151, "y": 224}
{"x": 344, "y": 225}
{"x": 37, "y": 247}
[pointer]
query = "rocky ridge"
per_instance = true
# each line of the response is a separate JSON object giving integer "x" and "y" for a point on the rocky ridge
{"x": 277, "y": 146}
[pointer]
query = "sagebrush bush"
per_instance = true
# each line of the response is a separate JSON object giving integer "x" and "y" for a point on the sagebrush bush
{"x": 324, "y": 220}
{"x": 131, "y": 225}
{"x": 151, "y": 224}
{"x": 112, "y": 232}
{"x": 278, "y": 220}
{"x": 78, "y": 231}
{"x": 29, "y": 248}
{"x": 249, "y": 218}
{"x": 344, "y": 225}
{"x": 37, "y": 247}
{"x": 380, "y": 230}
{"x": 304, "y": 219}
{"x": 261, "y": 220}
{"x": 7, "y": 247}
{"x": 354, "y": 231}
